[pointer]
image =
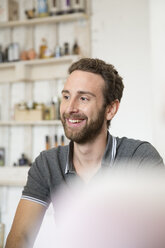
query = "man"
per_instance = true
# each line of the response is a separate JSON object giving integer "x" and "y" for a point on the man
{"x": 90, "y": 100}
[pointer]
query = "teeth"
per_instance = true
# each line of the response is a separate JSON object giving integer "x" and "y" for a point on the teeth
{"x": 74, "y": 121}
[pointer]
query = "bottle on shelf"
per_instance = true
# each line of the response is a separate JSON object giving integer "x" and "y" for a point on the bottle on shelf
{"x": 6, "y": 54}
{"x": 76, "y": 48}
{"x": 16, "y": 51}
{"x": 23, "y": 160}
{"x": 47, "y": 142}
{"x": 66, "y": 48}
{"x": 1, "y": 160}
{"x": 45, "y": 52}
{"x": 42, "y": 8}
{"x": 2, "y": 156}
{"x": 58, "y": 51}
{"x": 13, "y": 52}
{"x": 10, "y": 53}
{"x": 1, "y": 55}
{"x": 55, "y": 140}
{"x": 77, "y": 6}
{"x": 62, "y": 140}
{"x": 65, "y": 6}
{"x": 54, "y": 7}
{"x": 43, "y": 48}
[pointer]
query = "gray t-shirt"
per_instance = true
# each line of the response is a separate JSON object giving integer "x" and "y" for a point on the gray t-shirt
{"x": 54, "y": 167}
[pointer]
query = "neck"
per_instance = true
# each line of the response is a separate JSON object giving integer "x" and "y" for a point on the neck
{"x": 87, "y": 157}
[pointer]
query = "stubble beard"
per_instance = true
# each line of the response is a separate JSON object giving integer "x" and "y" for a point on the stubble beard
{"x": 89, "y": 132}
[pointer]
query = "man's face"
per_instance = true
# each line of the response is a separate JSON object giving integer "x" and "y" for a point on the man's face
{"x": 82, "y": 108}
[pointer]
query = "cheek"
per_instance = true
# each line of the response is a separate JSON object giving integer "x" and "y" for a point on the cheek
{"x": 91, "y": 112}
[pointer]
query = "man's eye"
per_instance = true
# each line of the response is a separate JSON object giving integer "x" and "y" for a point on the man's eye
{"x": 66, "y": 97}
{"x": 84, "y": 98}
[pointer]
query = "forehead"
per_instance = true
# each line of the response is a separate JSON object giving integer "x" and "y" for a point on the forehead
{"x": 82, "y": 80}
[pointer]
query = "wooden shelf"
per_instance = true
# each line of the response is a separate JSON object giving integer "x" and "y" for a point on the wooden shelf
{"x": 45, "y": 20}
{"x": 31, "y": 123}
{"x": 37, "y": 69}
{"x": 34, "y": 62}
{"x": 13, "y": 176}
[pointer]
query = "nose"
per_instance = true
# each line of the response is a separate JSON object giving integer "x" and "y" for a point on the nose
{"x": 73, "y": 106}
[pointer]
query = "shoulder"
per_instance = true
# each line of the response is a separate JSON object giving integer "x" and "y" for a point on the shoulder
{"x": 137, "y": 150}
{"x": 52, "y": 159}
{"x": 129, "y": 145}
{"x": 60, "y": 151}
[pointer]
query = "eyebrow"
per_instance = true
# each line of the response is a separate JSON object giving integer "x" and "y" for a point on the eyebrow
{"x": 80, "y": 92}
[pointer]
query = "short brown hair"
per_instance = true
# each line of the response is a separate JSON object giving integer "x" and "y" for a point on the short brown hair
{"x": 113, "y": 82}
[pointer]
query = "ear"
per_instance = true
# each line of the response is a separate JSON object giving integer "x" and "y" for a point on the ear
{"x": 112, "y": 109}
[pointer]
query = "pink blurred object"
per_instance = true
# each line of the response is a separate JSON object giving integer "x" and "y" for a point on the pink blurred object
{"x": 31, "y": 54}
{"x": 28, "y": 55}
{"x": 23, "y": 55}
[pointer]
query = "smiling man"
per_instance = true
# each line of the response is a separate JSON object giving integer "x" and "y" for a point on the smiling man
{"x": 83, "y": 107}
{"x": 90, "y": 100}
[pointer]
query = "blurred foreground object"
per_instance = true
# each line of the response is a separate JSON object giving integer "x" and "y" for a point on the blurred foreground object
{"x": 119, "y": 209}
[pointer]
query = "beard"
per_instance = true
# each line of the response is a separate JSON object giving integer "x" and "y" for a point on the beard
{"x": 89, "y": 132}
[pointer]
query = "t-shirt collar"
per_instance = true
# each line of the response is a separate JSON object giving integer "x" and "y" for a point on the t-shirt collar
{"x": 107, "y": 160}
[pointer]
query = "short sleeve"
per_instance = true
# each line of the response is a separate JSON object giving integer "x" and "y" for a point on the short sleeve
{"x": 36, "y": 188}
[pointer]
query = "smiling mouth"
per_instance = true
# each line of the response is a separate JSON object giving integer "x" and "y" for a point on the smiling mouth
{"x": 74, "y": 121}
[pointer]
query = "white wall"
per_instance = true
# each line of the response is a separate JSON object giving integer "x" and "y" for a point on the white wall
{"x": 129, "y": 35}
{"x": 120, "y": 35}
{"x": 157, "y": 24}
